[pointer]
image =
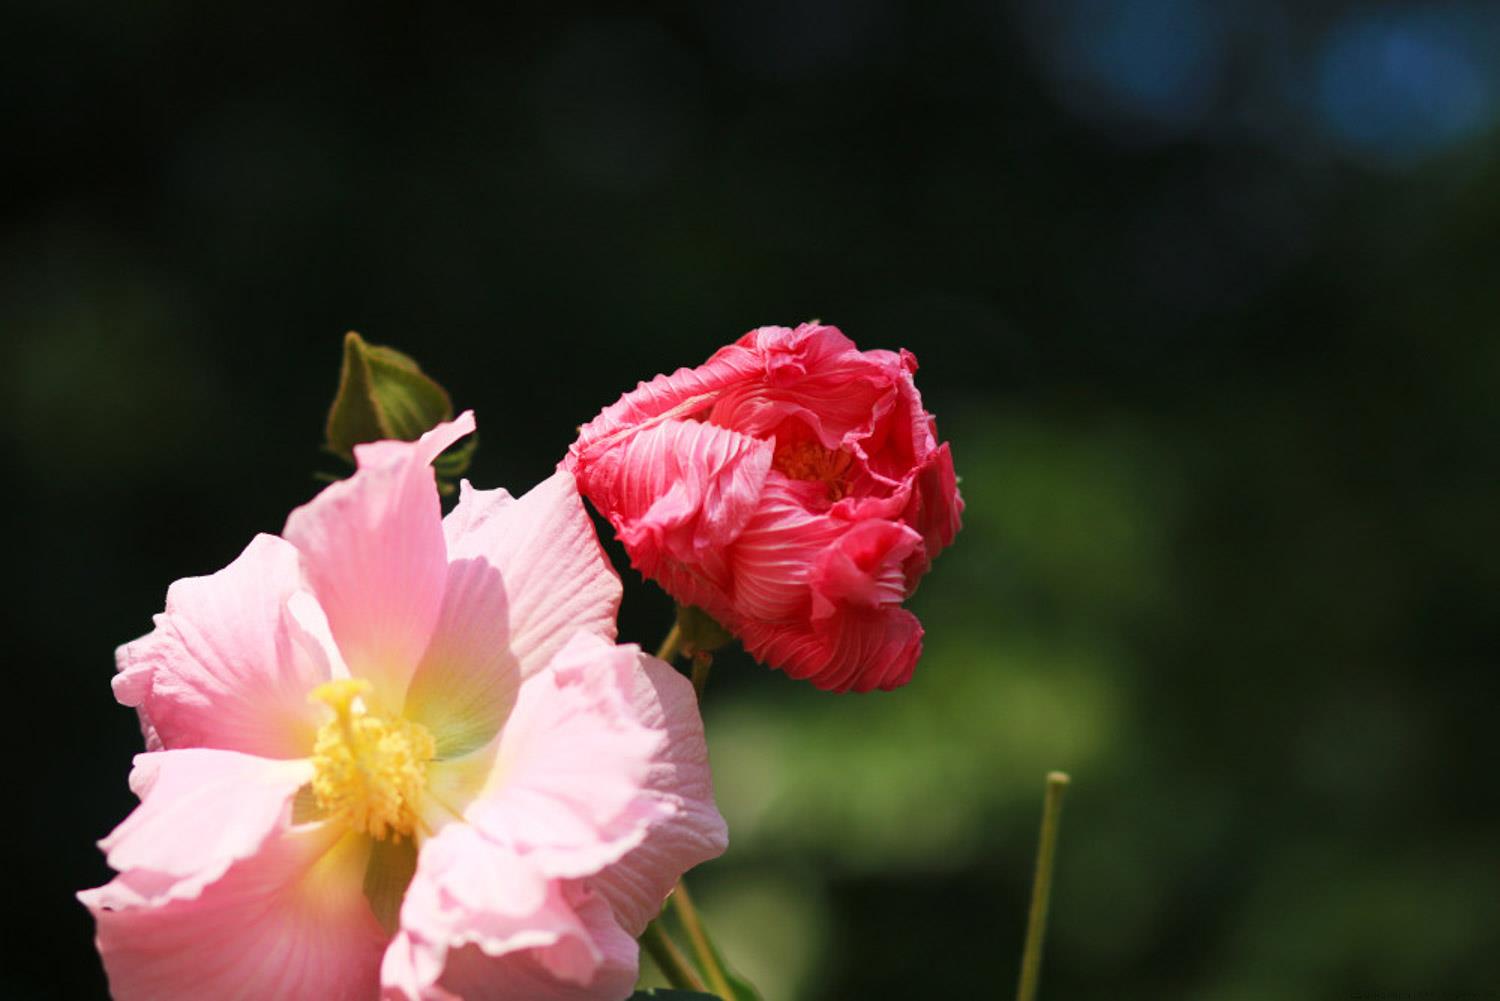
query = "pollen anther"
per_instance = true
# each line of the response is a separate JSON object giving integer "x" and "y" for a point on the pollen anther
{"x": 368, "y": 771}
{"x": 809, "y": 460}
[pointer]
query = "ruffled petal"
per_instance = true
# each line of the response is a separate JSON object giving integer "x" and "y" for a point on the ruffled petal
{"x": 201, "y": 811}
{"x": 813, "y": 374}
{"x": 680, "y": 489}
{"x": 691, "y": 831}
{"x": 864, "y": 568}
{"x": 471, "y": 892}
{"x": 853, "y": 650}
{"x": 232, "y": 659}
{"x": 288, "y": 922}
{"x": 373, "y": 550}
{"x": 523, "y": 576}
{"x": 552, "y": 973}
{"x": 566, "y": 791}
{"x": 686, "y": 394}
{"x": 936, "y": 507}
{"x": 773, "y": 558}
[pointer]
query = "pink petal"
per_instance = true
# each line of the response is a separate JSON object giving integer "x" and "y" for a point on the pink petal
{"x": 773, "y": 558}
{"x": 936, "y": 507}
{"x": 679, "y": 489}
{"x": 473, "y": 903}
{"x": 686, "y": 394}
{"x": 853, "y": 650}
{"x": 469, "y": 889}
{"x": 523, "y": 576}
{"x": 691, "y": 830}
{"x": 545, "y": 974}
{"x": 373, "y": 549}
{"x": 813, "y": 374}
{"x": 864, "y": 568}
{"x": 229, "y": 664}
{"x": 201, "y": 811}
{"x": 289, "y": 922}
{"x": 557, "y": 578}
{"x": 567, "y": 788}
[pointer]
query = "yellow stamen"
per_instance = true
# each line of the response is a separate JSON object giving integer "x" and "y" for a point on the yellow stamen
{"x": 368, "y": 771}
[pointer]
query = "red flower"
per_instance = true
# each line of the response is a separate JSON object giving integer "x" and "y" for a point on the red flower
{"x": 793, "y": 488}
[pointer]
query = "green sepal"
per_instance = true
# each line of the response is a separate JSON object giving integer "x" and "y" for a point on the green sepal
{"x": 700, "y": 632}
{"x": 455, "y": 462}
{"x": 387, "y": 875}
{"x": 384, "y": 394}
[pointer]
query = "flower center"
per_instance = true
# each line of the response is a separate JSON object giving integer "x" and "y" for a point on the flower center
{"x": 808, "y": 460}
{"x": 368, "y": 772}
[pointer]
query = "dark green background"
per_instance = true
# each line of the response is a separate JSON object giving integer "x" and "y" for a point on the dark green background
{"x": 1219, "y": 367}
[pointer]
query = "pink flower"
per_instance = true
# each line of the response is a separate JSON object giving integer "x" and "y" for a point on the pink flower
{"x": 396, "y": 755}
{"x": 793, "y": 488}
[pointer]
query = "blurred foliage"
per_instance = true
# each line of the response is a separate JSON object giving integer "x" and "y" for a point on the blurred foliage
{"x": 1209, "y": 321}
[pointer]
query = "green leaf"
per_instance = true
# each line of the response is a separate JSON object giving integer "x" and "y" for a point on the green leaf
{"x": 385, "y": 394}
{"x": 700, "y": 632}
{"x": 667, "y": 994}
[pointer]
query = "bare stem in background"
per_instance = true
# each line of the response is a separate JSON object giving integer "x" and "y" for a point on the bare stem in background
{"x": 1041, "y": 888}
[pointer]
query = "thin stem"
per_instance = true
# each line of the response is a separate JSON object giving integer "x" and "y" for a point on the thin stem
{"x": 669, "y": 646}
{"x": 669, "y": 959}
{"x": 708, "y": 962}
{"x": 1041, "y": 888}
{"x": 680, "y": 901}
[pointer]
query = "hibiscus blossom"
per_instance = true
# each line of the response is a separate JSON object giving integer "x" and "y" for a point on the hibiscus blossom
{"x": 396, "y": 755}
{"x": 794, "y": 488}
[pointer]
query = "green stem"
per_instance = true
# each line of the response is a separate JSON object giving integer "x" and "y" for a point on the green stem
{"x": 1041, "y": 888}
{"x": 669, "y": 959}
{"x": 708, "y": 962}
{"x": 669, "y": 646}
{"x": 680, "y": 901}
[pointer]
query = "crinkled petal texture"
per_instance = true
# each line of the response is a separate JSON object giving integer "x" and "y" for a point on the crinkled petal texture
{"x": 232, "y": 659}
{"x": 522, "y": 577}
{"x": 794, "y": 488}
{"x": 687, "y": 829}
{"x": 373, "y": 550}
{"x": 290, "y": 922}
{"x": 219, "y": 896}
{"x": 596, "y": 798}
{"x": 569, "y": 789}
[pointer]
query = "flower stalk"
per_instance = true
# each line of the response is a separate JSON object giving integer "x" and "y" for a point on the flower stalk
{"x": 682, "y": 902}
{"x": 668, "y": 958}
{"x": 671, "y": 645}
